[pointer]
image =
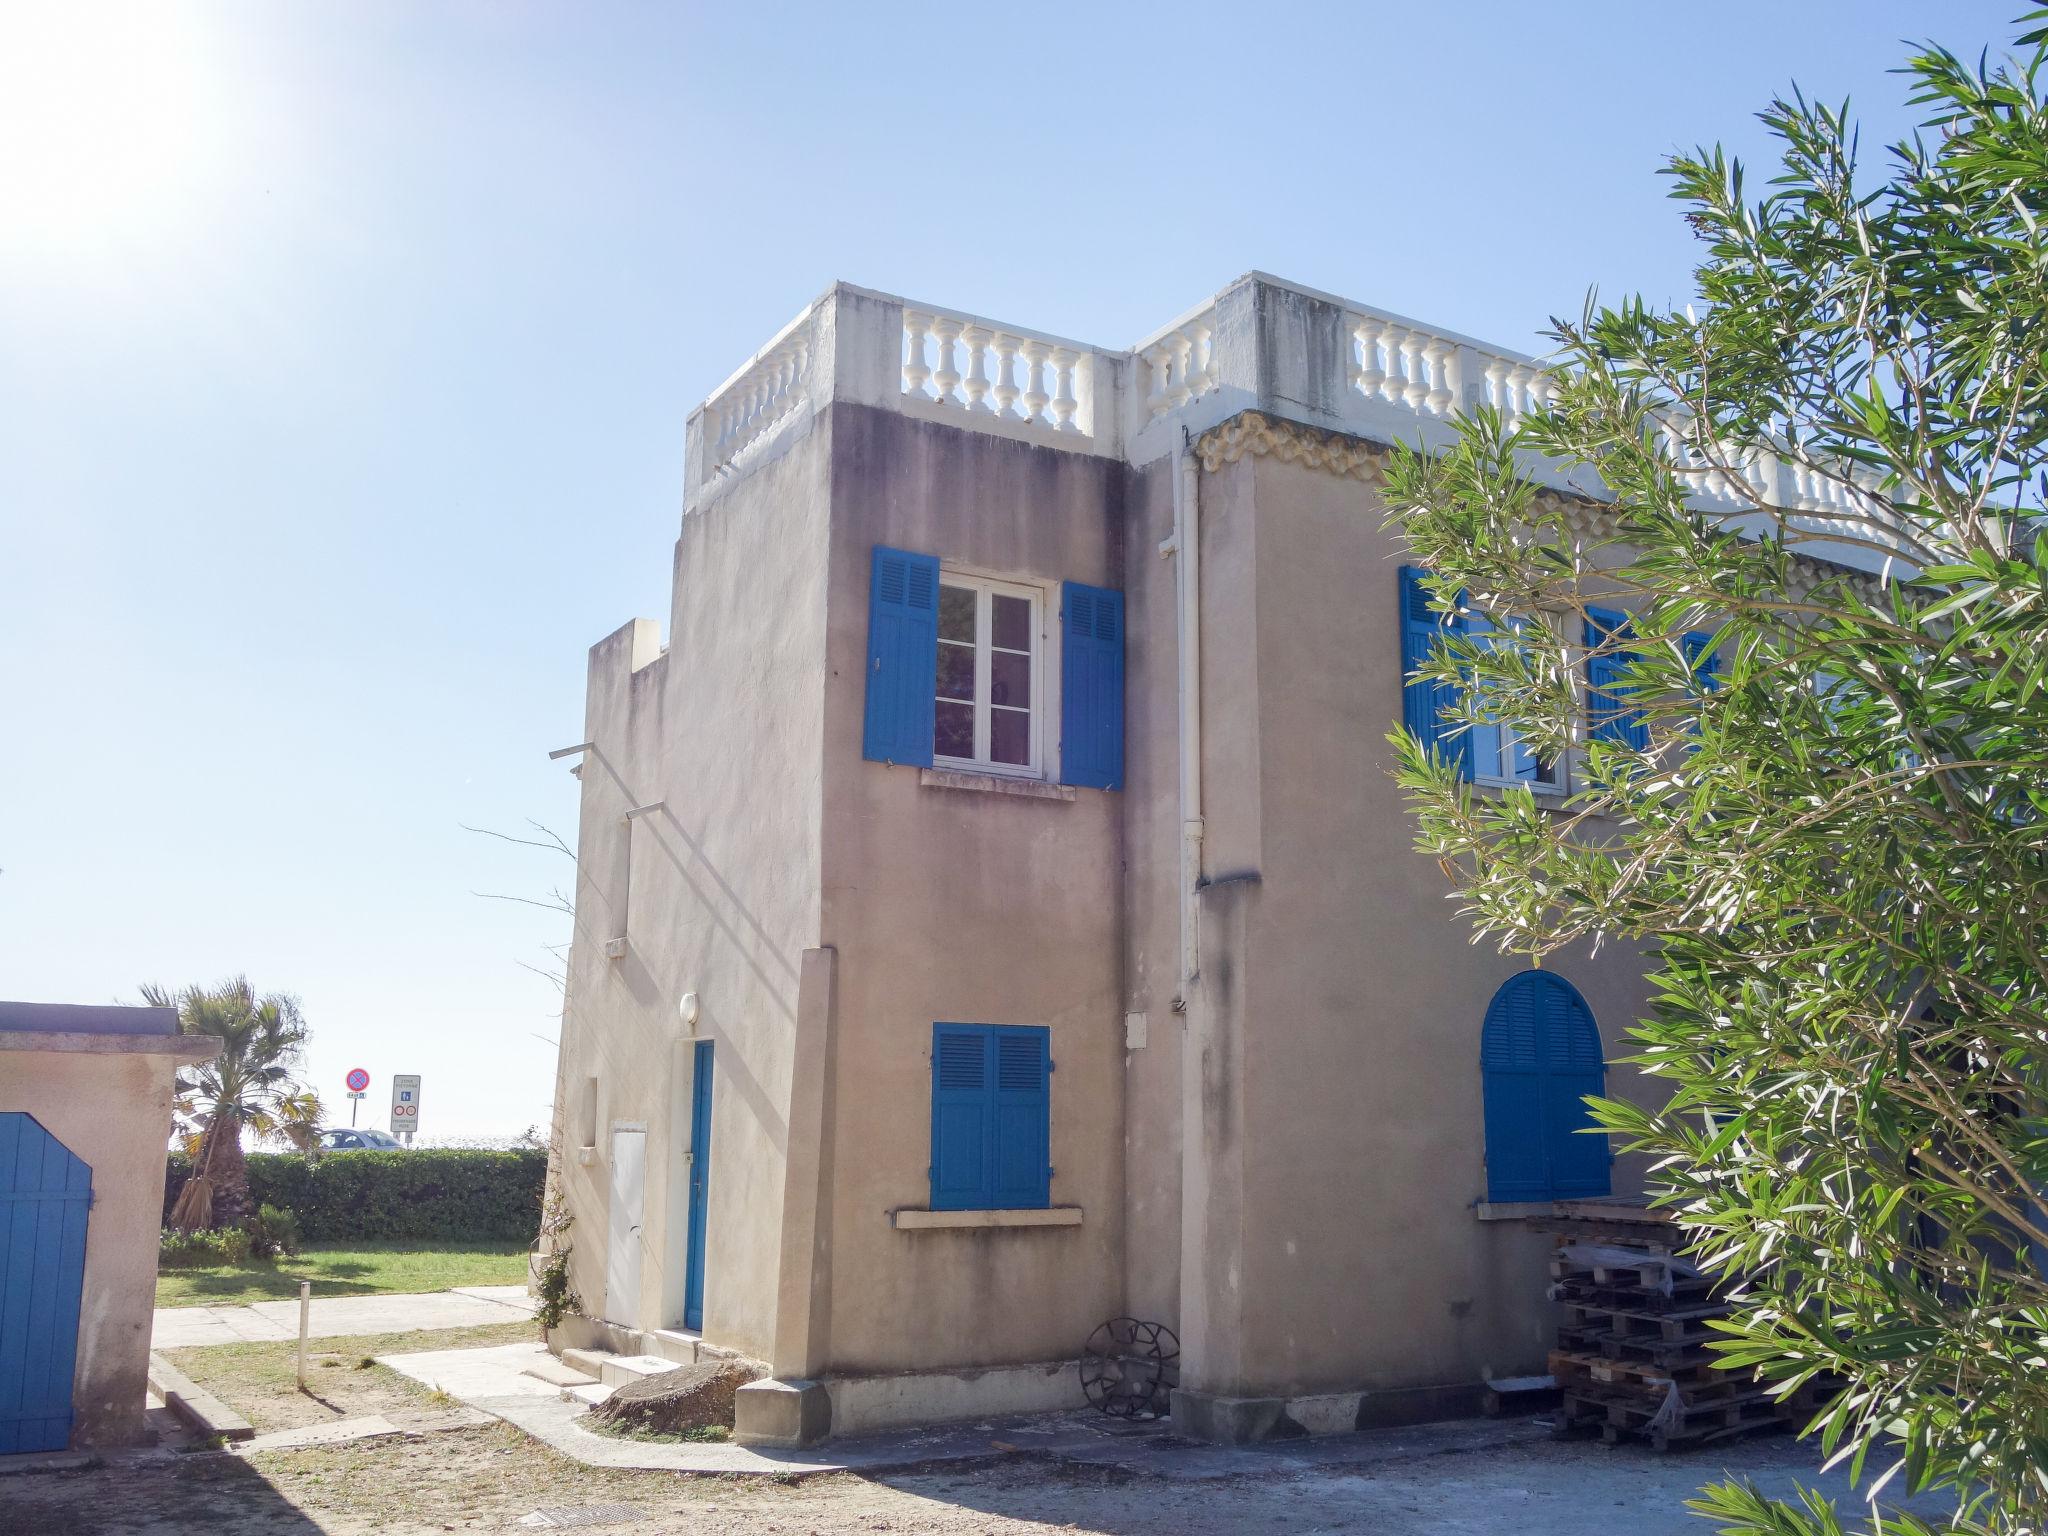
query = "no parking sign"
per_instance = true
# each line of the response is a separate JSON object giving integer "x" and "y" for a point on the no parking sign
{"x": 357, "y": 1080}
{"x": 405, "y": 1102}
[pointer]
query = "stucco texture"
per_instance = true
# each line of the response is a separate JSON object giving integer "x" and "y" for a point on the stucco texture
{"x": 112, "y": 1110}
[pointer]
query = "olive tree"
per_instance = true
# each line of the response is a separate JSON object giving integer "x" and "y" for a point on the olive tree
{"x": 1830, "y": 820}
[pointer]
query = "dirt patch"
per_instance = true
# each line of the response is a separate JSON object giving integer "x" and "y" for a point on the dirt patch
{"x": 260, "y": 1381}
{"x": 487, "y": 1479}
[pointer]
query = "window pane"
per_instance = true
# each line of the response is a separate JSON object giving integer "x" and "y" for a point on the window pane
{"x": 953, "y": 730}
{"x": 1009, "y": 735}
{"x": 1009, "y": 679}
{"x": 1010, "y": 622}
{"x": 956, "y": 671}
{"x": 956, "y": 613}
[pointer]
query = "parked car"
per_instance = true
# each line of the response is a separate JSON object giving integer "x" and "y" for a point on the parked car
{"x": 359, "y": 1141}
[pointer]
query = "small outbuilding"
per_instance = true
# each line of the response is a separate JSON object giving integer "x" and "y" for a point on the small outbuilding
{"x": 85, "y": 1124}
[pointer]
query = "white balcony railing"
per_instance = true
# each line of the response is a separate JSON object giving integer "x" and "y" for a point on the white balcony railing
{"x": 775, "y": 385}
{"x": 1179, "y": 366}
{"x": 1259, "y": 344}
{"x": 1001, "y": 374}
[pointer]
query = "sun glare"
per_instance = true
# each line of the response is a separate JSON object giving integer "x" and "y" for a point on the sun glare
{"x": 104, "y": 123}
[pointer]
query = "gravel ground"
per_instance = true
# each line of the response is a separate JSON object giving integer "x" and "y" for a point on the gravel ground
{"x": 489, "y": 1478}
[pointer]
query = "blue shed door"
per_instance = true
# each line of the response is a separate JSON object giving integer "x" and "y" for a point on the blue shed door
{"x": 45, "y": 1198}
{"x": 700, "y": 1184}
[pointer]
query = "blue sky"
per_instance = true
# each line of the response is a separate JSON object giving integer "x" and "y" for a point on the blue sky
{"x": 345, "y": 352}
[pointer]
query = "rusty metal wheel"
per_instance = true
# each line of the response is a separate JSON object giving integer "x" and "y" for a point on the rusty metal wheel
{"x": 1130, "y": 1368}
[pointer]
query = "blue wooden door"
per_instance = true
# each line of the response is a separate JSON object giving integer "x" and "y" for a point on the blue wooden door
{"x": 700, "y": 1184}
{"x": 45, "y": 1198}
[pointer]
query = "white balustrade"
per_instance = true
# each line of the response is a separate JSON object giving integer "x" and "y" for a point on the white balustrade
{"x": 1431, "y": 375}
{"x": 947, "y": 362}
{"x": 1180, "y": 366}
{"x": 1019, "y": 383}
{"x": 744, "y": 411}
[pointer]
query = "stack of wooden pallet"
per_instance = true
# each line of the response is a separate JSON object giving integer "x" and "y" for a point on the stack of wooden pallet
{"x": 1632, "y": 1357}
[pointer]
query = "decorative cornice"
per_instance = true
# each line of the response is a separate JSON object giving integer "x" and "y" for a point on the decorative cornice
{"x": 1252, "y": 432}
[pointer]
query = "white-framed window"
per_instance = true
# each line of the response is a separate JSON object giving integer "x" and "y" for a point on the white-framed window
{"x": 988, "y": 709}
{"x": 1499, "y": 755}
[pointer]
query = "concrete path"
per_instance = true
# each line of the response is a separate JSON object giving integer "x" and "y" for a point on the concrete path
{"x": 338, "y": 1316}
{"x": 491, "y": 1379}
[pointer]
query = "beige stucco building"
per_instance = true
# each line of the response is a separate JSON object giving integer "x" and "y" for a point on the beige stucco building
{"x": 1027, "y": 701}
{"x": 85, "y": 1123}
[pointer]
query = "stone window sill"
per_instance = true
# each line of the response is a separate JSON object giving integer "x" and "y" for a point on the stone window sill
{"x": 923, "y": 1221}
{"x": 993, "y": 784}
{"x": 1512, "y": 1210}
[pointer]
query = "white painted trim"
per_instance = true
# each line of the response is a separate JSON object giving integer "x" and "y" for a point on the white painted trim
{"x": 1044, "y": 620}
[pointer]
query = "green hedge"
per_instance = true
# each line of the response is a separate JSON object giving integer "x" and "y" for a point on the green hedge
{"x": 431, "y": 1194}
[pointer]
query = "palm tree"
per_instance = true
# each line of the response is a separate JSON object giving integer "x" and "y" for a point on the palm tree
{"x": 251, "y": 1085}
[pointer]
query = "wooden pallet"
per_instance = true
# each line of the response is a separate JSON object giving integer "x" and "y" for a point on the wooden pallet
{"x": 1620, "y": 1416}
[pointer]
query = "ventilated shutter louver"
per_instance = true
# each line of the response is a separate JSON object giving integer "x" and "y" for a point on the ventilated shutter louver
{"x": 1423, "y": 703}
{"x": 1022, "y": 1120}
{"x": 1511, "y": 1064}
{"x": 1091, "y": 686}
{"x": 903, "y": 657}
{"x": 962, "y": 1079}
{"x": 1608, "y": 715}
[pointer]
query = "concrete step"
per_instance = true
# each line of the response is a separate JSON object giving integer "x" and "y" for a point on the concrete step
{"x": 617, "y": 1370}
{"x": 557, "y": 1374}
{"x": 591, "y": 1392}
{"x": 674, "y": 1344}
{"x": 589, "y": 1361}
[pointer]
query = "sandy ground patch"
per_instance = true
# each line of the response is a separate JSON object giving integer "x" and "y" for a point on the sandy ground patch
{"x": 488, "y": 1478}
{"x": 259, "y": 1381}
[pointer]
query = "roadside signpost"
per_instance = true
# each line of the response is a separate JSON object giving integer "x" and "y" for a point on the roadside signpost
{"x": 405, "y": 1104}
{"x": 358, "y": 1081}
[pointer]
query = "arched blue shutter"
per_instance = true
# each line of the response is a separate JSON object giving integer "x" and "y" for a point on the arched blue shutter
{"x": 1608, "y": 715}
{"x": 1540, "y": 1059}
{"x": 1091, "y": 686}
{"x": 1423, "y": 703}
{"x": 903, "y": 657}
{"x": 1023, "y": 1120}
{"x": 1573, "y": 1070}
{"x": 963, "y": 1073}
{"x": 1512, "y": 1080}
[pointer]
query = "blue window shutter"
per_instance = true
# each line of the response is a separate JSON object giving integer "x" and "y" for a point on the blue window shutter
{"x": 1608, "y": 716}
{"x": 1573, "y": 1069}
{"x": 1091, "y": 686}
{"x": 1703, "y": 658}
{"x": 1540, "y": 1059}
{"x": 1423, "y": 703}
{"x": 1512, "y": 1080}
{"x": 903, "y": 657}
{"x": 963, "y": 1088}
{"x": 1022, "y": 1119}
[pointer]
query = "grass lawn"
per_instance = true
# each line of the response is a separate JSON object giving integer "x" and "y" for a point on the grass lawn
{"x": 361, "y": 1269}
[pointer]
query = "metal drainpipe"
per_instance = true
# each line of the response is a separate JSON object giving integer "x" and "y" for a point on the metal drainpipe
{"x": 1186, "y": 546}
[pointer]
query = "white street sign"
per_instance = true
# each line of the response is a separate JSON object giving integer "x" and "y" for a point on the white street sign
{"x": 405, "y": 1102}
